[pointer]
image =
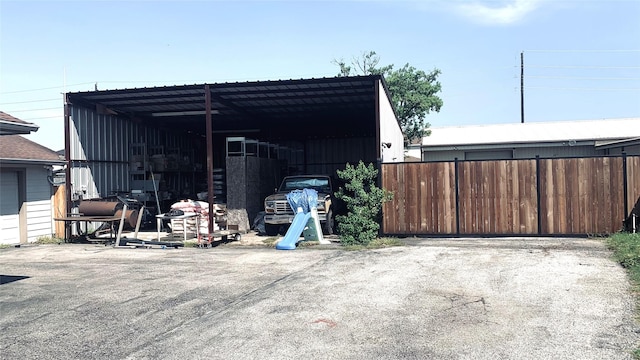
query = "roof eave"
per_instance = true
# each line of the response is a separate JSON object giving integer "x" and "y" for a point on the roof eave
{"x": 455, "y": 147}
{"x": 617, "y": 143}
{"x": 31, "y": 162}
{"x": 12, "y": 128}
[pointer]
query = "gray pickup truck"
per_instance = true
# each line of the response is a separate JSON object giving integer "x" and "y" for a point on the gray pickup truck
{"x": 279, "y": 215}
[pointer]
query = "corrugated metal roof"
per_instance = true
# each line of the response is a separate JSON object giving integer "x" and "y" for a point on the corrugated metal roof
{"x": 534, "y": 132}
{"x": 344, "y": 102}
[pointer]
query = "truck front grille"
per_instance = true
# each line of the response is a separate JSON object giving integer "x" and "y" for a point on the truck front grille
{"x": 283, "y": 208}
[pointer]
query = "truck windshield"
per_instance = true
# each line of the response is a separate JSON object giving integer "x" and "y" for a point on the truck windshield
{"x": 299, "y": 183}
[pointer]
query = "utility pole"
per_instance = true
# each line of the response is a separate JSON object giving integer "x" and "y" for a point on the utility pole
{"x": 522, "y": 87}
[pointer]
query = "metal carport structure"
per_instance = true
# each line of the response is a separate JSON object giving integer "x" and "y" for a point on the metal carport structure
{"x": 311, "y": 110}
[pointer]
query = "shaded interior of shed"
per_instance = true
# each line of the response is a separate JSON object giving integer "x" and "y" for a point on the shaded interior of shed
{"x": 326, "y": 122}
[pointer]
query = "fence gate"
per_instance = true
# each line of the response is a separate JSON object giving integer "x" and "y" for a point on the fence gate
{"x": 568, "y": 196}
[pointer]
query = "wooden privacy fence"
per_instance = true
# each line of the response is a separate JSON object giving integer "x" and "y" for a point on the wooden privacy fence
{"x": 509, "y": 197}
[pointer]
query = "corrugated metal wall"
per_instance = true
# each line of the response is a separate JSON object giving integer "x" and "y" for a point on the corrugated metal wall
{"x": 325, "y": 156}
{"x": 100, "y": 150}
{"x": 629, "y": 150}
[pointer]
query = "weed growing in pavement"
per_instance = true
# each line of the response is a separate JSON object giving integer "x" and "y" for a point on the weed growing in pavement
{"x": 190, "y": 243}
{"x": 49, "y": 240}
{"x": 271, "y": 241}
{"x": 375, "y": 244}
{"x": 626, "y": 251}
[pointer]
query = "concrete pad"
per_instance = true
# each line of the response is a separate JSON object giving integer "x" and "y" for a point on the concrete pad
{"x": 433, "y": 299}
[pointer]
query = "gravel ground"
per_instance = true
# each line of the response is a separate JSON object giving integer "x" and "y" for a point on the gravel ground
{"x": 433, "y": 299}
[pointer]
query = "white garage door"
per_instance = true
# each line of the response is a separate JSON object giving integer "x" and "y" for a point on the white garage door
{"x": 9, "y": 208}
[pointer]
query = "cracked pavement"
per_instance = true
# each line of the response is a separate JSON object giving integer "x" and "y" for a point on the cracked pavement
{"x": 433, "y": 299}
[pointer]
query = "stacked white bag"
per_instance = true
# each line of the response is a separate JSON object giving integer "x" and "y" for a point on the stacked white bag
{"x": 200, "y": 210}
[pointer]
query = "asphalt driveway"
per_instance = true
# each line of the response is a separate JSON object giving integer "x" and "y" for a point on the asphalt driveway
{"x": 433, "y": 299}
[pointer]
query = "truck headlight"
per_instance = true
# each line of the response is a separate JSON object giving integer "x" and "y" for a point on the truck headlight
{"x": 269, "y": 206}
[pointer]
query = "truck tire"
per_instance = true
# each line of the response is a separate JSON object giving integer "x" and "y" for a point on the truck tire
{"x": 328, "y": 227}
{"x": 271, "y": 230}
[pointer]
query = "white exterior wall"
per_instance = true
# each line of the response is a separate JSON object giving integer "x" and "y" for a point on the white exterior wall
{"x": 37, "y": 205}
{"x": 390, "y": 131}
{"x": 39, "y": 191}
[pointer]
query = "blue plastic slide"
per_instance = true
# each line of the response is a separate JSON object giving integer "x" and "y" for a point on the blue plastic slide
{"x": 292, "y": 236}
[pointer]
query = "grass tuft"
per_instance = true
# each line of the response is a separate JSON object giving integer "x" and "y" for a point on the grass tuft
{"x": 271, "y": 241}
{"x": 375, "y": 244}
{"x": 190, "y": 243}
{"x": 626, "y": 251}
{"x": 49, "y": 240}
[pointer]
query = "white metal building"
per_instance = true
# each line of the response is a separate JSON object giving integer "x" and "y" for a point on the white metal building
{"x": 528, "y": 140}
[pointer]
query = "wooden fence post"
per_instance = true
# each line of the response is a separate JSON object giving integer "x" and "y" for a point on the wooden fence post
{"x": 456, "y": 181}
{"x": 625, "y": 185}
{"x": 538, "y": 193}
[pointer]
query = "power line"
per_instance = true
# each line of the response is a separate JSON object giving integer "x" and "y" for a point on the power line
{"x": 30, "y": 101}
{"x": 51, "y": 108}
{"x": 584, "y": 50}
{"x": 47, "y": 88}
{"x": 581, "y": 88}
{"x": 579, "y": 67}
{"x": 43, "y": 117}
{"x": 579, "y": 78}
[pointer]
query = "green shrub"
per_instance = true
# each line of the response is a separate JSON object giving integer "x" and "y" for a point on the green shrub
{"x": 363, "y": 200}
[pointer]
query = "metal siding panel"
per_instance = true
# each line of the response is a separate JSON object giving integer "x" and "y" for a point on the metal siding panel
{"x": 105, "y": 140}
{"x": 553, "y": 152}
{"x": 442, "y": 155}
{"x": 632, "y": 150}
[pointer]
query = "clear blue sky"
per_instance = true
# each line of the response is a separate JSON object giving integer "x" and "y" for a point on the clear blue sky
{"x": 582, "y": 57}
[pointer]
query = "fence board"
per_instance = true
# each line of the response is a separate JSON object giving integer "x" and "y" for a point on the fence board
{"x": 59, "y": 210}
{"x": 423, "y": 198}
{"x": 577, "y": 196}
{"x": 496, "y": 197}
{"x": 633, "y": 181}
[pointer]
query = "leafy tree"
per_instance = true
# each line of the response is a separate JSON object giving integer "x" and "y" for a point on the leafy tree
{"x": 413, "y": 91}
{"x": 363, "y": 200}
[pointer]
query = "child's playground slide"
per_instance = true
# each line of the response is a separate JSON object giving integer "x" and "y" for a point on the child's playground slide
{"x": 295, "y": 231}
{"x": 304, "y": 202}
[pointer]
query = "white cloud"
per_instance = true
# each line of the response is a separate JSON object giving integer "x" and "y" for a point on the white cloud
{"x": 505, "y": 13}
